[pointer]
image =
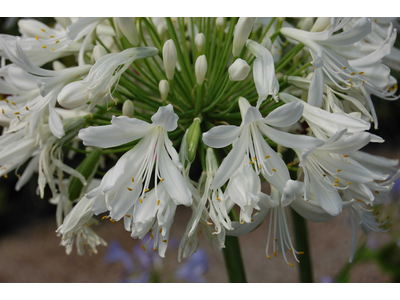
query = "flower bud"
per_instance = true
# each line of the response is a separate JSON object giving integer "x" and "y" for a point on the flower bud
{"x": 128, "y": 29}
{"x": 73, "y": 95}
{"x": 200, "y": 40}
{"x": 307, "y": 24}
{"x": 163, "y": 86}
{"x": 320, "y": 24}
{"x": 192, "y": 138}
{"x": 161, "y": 29}
{"x": 98, "y": 52}
{"x": 220, "y": 23}
{"x": 239, "y": 70}
{"x": 241, "y": 34}
{"x": 58, "y": 65}
{"x": 201, "y": 69}
{"x": 127, "y": 108}
{"x": 169, "y": 57}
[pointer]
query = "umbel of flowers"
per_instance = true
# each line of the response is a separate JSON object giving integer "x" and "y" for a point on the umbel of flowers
{"x": 253, "y": 100}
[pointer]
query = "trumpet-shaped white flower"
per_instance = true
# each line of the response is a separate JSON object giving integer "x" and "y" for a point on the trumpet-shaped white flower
{"x": 126, "y": 183}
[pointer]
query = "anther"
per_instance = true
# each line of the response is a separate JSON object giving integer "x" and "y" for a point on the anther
{"x": 324, "y": 175}
{"x": 268, "y": 156}
{"x": 104, "y": 217}
{"x": 160, "y": 230}
{"x": 344, "y": 68}
{"x": 340, "y": 170}
{"x": 13, "y": 103}
{"x": 290, "y": 264}
{"x": 158, "y": 202}
{"x": 44, "y": 47}
{"x": 26, "y": 107}
{"x": 2, "y": 110}
{"x": 43, "y": 30}
{"x": 208, "y": 223}
{"x": 147, "y": 190}
{"x": 352, "y": 73}
{"x": 252, "y": 162}
{"x": 345, "y": 155}
{"x": 143, "y": 248}
{"x": 5, "y": 176}
{"x": 152, "y": 236}
{"x": 133, "y": 179}
{"x": 275, "y": 254}
{"x": 360, "y": 73}
{"x": 273, "y": 170}
{"x": 301, "y": 252}
{"x": 162, "y": 179}
{"x": 140, "y": 199}
{"x": 276, "y": 240}
{"x": 6, "y": 100}
{"x": 376, "y": 192}
{"x": 155, "y": 249}
{"x": 349, "y": 182}
{"x": 17, "y": 113}
{"x": 269, "y": 256}
{"x": 128, "y": 216}
{"x": 87, "y": 224}
{"x": 164, "y": 241}
{"x": 129, "y": 189}
{"x": 36, "y": 37}
{"x": 52, "y": 36}
{"x": 336, "y": 184}
{"x": 218, "y": 199}
{"x": 53, "y": 49}
{"x": 57, "y": 41}
{"x": 112, "y": 221}
{"x": 359, "y": 200}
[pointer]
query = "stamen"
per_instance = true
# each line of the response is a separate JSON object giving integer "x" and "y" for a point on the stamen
{"x": 57, "y": 41}
{"x": 104, "y": 217}
{"x": 87, "y": 224}
{"x": 162, "y": 179}
{"x": 340, "y": 170}
{"x": 112, "y": 221}
{"x": 52, "y": 36}
{"x": 143, "y": 248}
{"x": 36, "y": 37}
{"x": 344, "y": 68}
{"x": 129, "y": 189}
{"x": 275, "y": 254}
{"x": 268, "y": 156}
{"x": 352, "y": 73}
{"x": 13, "y": 103}
{"x": 290, "y": 264}
{"x": 164, "y": 241}
{"x": 274, "y": 170}
{"x": 252, "y": 162}
{"x": 269, "y": 256}
{"x": 128, "y": 216}
{"x": 147, "y": 190}
{"x": 44, "y": 47}
{"x": 345, "y": 155}
{"x": 218, "y": 199}
{"x": 43, "y": 30}
{"x": 140, "y": 199}
{"x": 360, "y": 73}
{"x": 133, "y": 180}
{"x": 26, "y": 107}
{"x": 158, "y": 202}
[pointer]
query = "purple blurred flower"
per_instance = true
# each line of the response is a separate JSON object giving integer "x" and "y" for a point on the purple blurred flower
{"x": 115, "y": 253}
{"x": 326, "y": 279}
{"x": 194, "y": 268}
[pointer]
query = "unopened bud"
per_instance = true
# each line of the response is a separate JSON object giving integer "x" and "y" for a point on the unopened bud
{"x": 58, "y": 65}
{"x": 169, "y": 57}
{"x": 242, "y": 32}
{"x": 163, "y": 86}
{"x": 161, "y": 29}
{"x": 98, "y": 52}
{"x": 192, "y": 138}
{"x": 239, "y": 70}
{"x": 201, "y": 69}
{"x": 128, "y": 29}
{"x": 307, "y": 24}
{"x": 200, "y": 40}
{"x": 73, "y": 95}
{"x": 127, "y": 108}
{"x": 220, "y": 23}
{"x": 320, "y": 24}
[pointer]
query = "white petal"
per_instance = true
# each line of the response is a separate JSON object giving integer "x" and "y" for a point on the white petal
{"x": 285, "y": 115}
{"x": 221, "y": 136}
{"x": 55, "y": 123}
{"x": 166, "y": 118}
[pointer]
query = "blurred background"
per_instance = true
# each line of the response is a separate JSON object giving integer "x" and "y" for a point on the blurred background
{"x": 30, "y": 251}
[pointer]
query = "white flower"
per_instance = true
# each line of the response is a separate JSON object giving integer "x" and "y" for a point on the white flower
{"x": 201, "y": 69}
{"x": 200, "y": 41}
{"x": 251, "y": 143}
{"x": 263, "y": 72}
{"x": 170, "y": 57}
{"x": 126, "y": 183}
{"x": 128, "y": 28}
{"x": 241, "y": 34}
{"x": 239, "y": 70}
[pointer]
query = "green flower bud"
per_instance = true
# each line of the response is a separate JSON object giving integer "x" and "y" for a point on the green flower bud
{"x": 193, "y": 137}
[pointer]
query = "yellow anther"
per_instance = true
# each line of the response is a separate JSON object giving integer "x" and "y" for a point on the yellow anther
{"x": 208, "y": 223}
{"x": 291, "y": 250}
{"x": 112, "y": 221}
{"x": 376, "y": 192}
{"x": 143, "y": 248}
{"x": 340, "y": 170}
{"x": 360, "y": 73}
{"x": 324, "y": 175}
{"x": 164, "y": 241}
{"x": 242, "y": 222}
{"x": 36, "y": 37}
{"x": 290, "y": 264}
{"x": 13, "y": 103}
{"x": 349, "y": 182}
{"x": 345, "y": 155}
{"x": 43, "y": 30}
{"x": 350, "y": 79}
{"x": 133, "y": 179}
{"x": 6, "y": 100}
{"x": 268, "y": 156}
{"x": 344, "y": 68}
{"x": 151, "y": 229}
{"x": 276, "y": 240}
{"x": 336, "y": 184}
{"x": 269, "y": 256}
{"x": 158, "y": 202}
{"x": 53, "y": 49}
{"x": 87, "y": 224}
{"x": 57, "y": 41}
{"x": 301, "y": 252}
{"x": 52, "y": 36}
{"x": 26, "y": 107}
{"x": 155, "y": 249}
{"x": 152, "y": 236}
{"x": 140, "y": 199}
{"x": 44, "y": 47}
{"x": 160, "y": 230}
{"x": 19, "y": 176}
{"x": 313, "y": 68}
{"x": 147, "y": 190}
{"x": 351, "y": 85}
{"x": 336, "y": 181}
{"x": 5, "y": 176}
{"x": 252, "y": 220}
{"x": 162, "y": 179}
{"x": 17, "y": 113}
{"x": 363, "y": 81}
{"x": 359, "y": 200}
{"x": 273, "y": 170}
{"x": 128, "y": 216}
{"x": 218, "y": 199}
{"x": 104, "y": 217}
{"x": 353, "y": 73}
{"x": 252, "y": 162}
{"x": 2, "y": 110}
{"x": 255, "y": 159}
{"x": 129, "y": 189}
{"x": 275, "y": 254}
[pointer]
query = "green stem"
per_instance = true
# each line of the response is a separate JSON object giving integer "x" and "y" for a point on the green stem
{"x": 233, "y": 260}
{"x": 302, "y": 245}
